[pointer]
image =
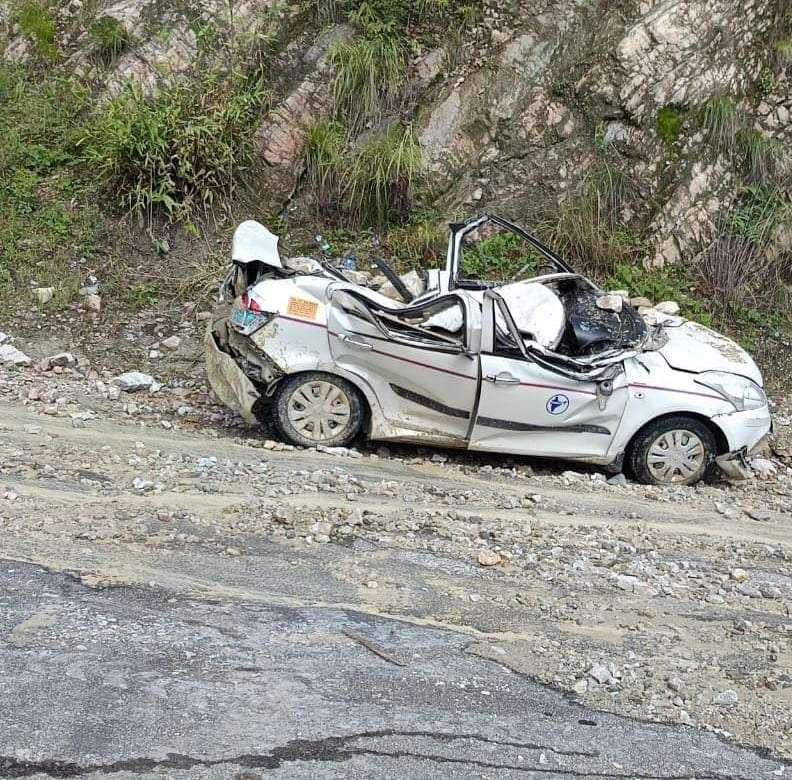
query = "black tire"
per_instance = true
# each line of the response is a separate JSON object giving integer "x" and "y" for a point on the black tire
{"x": 639, "y": 459}
{"x": 331, "y": 433}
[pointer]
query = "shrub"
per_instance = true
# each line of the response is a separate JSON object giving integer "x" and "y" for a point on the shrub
{"x": 760, "y": 155}
{"x": 783, "y": 53}
{"x": 383, "y": 174}
{"x": 721, "y": 123}
{"x": 418, "y": 243}
{"x": 498, "y": 257}
{"x": 37, "y": 25}
{"x": 177, "y": 149}
{"x": 369, "y": 77}
{"x": 757, "y": 214}
{"x": 372, "y": 184}
{"x": 324, "y": 158}
{"x": 588, "y": 229}
{"x": 43, "y": 227}
{"x": 109, "y": 37}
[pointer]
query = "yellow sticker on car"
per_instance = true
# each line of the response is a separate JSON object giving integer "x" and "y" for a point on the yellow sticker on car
{"x": 299, "y": 307}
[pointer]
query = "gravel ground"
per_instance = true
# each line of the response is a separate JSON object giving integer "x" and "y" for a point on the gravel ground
{"x": 667, "y": 605}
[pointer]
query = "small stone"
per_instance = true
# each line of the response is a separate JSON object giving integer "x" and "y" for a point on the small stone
{"x": 489, "y": 558}
{"x": 738, "y": 575}
{"x": 770, "y": 591}
{"x": 44, "y": 294}
{"x": 760, "y": 515}
{"x": 63, "y": 359}
{"x": 93, "y": 302}
{"x": 675, "y": 684}
{"x": 610, "y": 303}
{"x": 727, "y": 698}
{"x": 640, "y": 303}
{"x": 600, "y": 673}
{"x": 12, "y": 356}
{"x": 171, "y": 344}
{"x": 581, "y": 686}
{"x": 617, "y": 479}
{"x": 234, "y": 552}
{"x": 134, "y": 380}
{"x": 668, "y": 307}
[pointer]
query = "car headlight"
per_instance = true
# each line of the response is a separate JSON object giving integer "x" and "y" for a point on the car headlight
{"x": 739, "y": 390}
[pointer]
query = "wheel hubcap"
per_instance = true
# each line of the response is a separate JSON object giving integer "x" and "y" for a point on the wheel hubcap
{"x": 675, "y": 456}
{"x": 319, "y": 410}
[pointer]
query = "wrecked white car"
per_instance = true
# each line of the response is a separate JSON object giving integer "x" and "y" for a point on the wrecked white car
{"x": 542, "y": 366}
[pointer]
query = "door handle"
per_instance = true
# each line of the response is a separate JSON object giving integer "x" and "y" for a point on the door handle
{"x": 504, "y": 378}
{"x": 355, "y": 342}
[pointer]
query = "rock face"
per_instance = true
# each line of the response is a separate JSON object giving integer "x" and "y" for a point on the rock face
{"x": 512, "y": 110}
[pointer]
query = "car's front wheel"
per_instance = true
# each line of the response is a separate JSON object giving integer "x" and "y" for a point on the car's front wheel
{"x": 677, "y": 450}
{"x": 317, "y": 409}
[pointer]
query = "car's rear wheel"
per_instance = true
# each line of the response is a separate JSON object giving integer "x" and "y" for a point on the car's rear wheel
{"x": 317, "y": 409}
{"x": 677, "y": 450}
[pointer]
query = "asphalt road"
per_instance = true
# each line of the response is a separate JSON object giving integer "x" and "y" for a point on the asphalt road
{"x": 141, "y": 683}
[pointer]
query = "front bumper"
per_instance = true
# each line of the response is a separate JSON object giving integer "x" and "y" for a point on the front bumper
{"x": 744, "y": 430}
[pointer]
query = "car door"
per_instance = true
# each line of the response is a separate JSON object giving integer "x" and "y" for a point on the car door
{"x": 425, "y": 378}
{"x": 526, "y": 408}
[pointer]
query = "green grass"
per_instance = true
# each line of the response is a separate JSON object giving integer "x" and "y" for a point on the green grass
{"x": 669, "y": 125}
{"x": 721, "y": 123}
{"x": 142, "y": 296}
{"x": 109, "y": 37}
{"x": 670, "y": 283}
{"x": 420, "y": 242}
{"x": 324, "y": 159}
{"x": 588, "y": 229}
{"x": 383, "y": 175}
{"x": 38, "y": 26}
{"x": 783, "y": 52}
{"x": 498, "y": 257}
{"x": 369, "y": 73}
{"x": 761, "y": 155}
{"x": 48, "y": 219}
{"x": 758, "y": 212}
{"x": 179, "y": 150}
{"x": 373, "y": 183}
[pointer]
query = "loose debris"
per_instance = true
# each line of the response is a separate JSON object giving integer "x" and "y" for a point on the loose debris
{"x": 374, "y": 647}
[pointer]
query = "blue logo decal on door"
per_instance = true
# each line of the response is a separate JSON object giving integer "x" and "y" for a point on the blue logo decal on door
{"x": 558, "y": 404}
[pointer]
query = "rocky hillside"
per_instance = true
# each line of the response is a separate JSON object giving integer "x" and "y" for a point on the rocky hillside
{"x": 635, "y": 134}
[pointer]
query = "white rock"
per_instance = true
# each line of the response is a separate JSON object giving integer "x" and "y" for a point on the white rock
{"x": 738, "y": 575}
{"x": 610, "y": 302}
{"x": 171, "y": 343}
{"x": 11, "y": 355}
{"x": 727, "y": 698}
{"x": 600, "y": 673}
{"x": 93, "y": 302}
{"x": 134, "y": 380}
{"x": 668, "y": 307}
{"x": 489, "y": 558}
{"x": 44, "y": 294}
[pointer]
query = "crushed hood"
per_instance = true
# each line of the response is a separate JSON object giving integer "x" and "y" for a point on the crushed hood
{"x": 695, "y": 348}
